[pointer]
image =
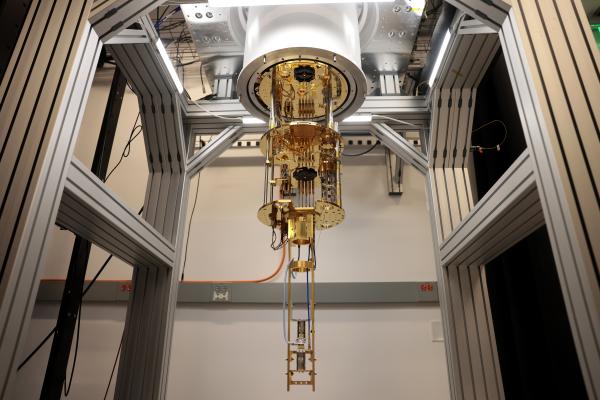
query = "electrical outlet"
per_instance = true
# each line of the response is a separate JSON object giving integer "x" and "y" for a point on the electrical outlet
{"x": 221, "y": 293}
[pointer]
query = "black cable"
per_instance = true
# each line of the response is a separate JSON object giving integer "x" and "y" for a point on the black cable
{"x": 87, "y": 288}
{"x": 187, "y": 239}
{"x": 163, "y": 14}
{"x": 39, "y": 346}
{"x": 362, "y": 153}
{"x": 125, "y": 153}
{"x": 112, "y": 373}
{"x": 127, "y": 148}
{"x": 169, "y": 27}
{"x": 282, "y": 241}
{"x": 495, "y": 147}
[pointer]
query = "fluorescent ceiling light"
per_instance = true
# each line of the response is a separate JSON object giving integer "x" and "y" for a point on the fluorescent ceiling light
{"x": 252, "y": 3}
{"x": 439, "y": 58}
{"x": 359, "y": 118}
{"x": 252, "y": 121}
{"x": 169, "y": 65}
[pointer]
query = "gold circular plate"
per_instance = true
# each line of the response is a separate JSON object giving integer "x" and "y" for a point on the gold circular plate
{"x": 275, "y": 212}
{"x": 328, "y": 215}
{"x": 306, "y": 99}
{"x": 296, "y": 138}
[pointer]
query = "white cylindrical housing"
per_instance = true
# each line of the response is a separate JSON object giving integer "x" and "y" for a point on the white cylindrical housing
{"x": 328, "y": 33}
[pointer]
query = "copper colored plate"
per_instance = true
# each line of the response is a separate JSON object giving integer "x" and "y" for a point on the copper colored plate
{"x": 278, "y": 208}
{"x": 327, "y": 215}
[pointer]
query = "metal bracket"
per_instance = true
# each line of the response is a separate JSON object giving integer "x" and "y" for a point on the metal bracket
{"x": 394, "y": 170}
{"x": 400, "y": 146}
{"x": 213, "y": 149}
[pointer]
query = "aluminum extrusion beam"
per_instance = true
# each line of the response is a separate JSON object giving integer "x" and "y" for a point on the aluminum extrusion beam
{"x": 474, "y": 368}
{"x": 213, "y": 149}
{"x": 150, "y": 312}
{"x": 453, "y": 106}
{"x": 473, "y": 364}
{"x": 400, "y": 146}
{"x": 373, "y": 104}
{"x": 412, "y": 109}
{"x": 406, "y": 105}
{"x": 473, "y": 27}
{"x": 509, "y": 211}
{"x": 466, "y": 61}
{"x": 89, "y": 209}
{"x": 394, "y": 170}
{"x": 129, "y": 36}
{"x": 109, "y": 17}
{"x": 490, "y": 12}
{"x": 554, "y": 71}
{"x": 43, "y": 96}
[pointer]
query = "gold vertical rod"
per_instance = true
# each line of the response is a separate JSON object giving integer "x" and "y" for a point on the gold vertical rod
{"x": 312, "y": 326}
{"x": 273, "y": 123}
{"x": 338, "y": 154}
{"x": 274, "y": 114}
{"x": 289, "y": 323}
{"x": 272, "y": 185}
{"x": 268, "y": 161}
{"x": 329, "y": 100}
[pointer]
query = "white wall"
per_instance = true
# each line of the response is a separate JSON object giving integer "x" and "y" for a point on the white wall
{"x": 100, "y": 334}
{"x": 382, "y": 353}
{"x": 222, "y": 352}
{"x": 383, "y": 238}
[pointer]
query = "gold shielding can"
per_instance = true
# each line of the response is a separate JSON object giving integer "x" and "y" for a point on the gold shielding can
{"x": 301, "y": 229}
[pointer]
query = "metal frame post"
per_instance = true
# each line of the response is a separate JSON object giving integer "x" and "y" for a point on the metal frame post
{"x": 43, "y": 95}
{"x": 473, "y": 365}
{"x": 553, "y": 66}
{"x": 72, "y": 294}
{"x": 560, "y": 123}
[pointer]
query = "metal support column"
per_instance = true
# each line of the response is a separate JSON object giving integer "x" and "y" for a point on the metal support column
{"x": 473, "y": 365}
{"x": 42, "y": 100}
{"x": 554, "y": 70}
{"x": 72, "y": 293}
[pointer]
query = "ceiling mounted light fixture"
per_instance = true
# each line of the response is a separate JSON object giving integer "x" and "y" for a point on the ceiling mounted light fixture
{"x": 252, "y": 121}
{"x": 169, "y": 65}
{"x": 440, "y": 57}
{"x": 359, "y": 118}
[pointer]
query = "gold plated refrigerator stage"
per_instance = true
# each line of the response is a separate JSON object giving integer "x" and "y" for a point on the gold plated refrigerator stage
{"x": 302, "y": 186}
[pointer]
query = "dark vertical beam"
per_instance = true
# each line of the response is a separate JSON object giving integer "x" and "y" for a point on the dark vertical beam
{"x": 109, "y": 124}
{"x": 12, "y": 18}
{"x": 72, "y": 293}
